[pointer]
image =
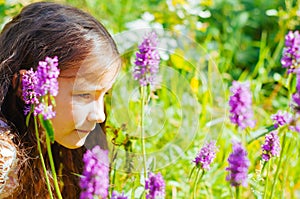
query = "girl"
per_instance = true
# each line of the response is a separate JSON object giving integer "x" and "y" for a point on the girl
{"x": 89, "y": 63}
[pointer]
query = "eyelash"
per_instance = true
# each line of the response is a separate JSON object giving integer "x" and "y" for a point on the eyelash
{"x": 84, "y": 95}
{"x": 88, "y": 95}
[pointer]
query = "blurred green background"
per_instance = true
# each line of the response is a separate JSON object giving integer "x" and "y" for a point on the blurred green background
{"x": 237, "y": 40}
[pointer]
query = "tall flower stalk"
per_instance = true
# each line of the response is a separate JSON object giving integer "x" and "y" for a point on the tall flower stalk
{"x": 267, "y": 180}
{"x": 278, "y": 165}
{"x": 94, "y": 181}
{"x": 281, "y": 118}
{"x": 143, "y": 101}
{"x": 270, "y": 148}
{"x": 39, "y": 89}
{"x": 238, "y": 167}
{"x": 155, "y": 186}
{"x": 291, "y": 52}
{"x": 145, "y": 71}
{"x": 290, "y": 60}
{"x": 240, "y": 102}
{"x": 241, "y": 112}
{"x": 203, "y": 160}
{"x": 41, "y": 157}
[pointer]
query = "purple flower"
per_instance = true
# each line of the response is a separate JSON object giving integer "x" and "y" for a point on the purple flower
{"x": 240, "y": 103}
{"x": 36, "y": 85}
{"x": 147, "y": 60}
{"x": 295, "y": 123}
{"x": 291, "y": 52}
{"x": 238, "y": 166}
{"x": 155, "y": 186}
{"x": 95, "y": 181}
{"x": 296, "y": 99}
{"x": 116, "y": 195}
{"x": 296, "y": 95}
{"x": 29, "y": 83}
{"x": 47, "y": 73}
{"x": 45, "y": 110}
{"x": 281, "y": 118}
{"x": 206, "y": 155}
{"x": 271, "y": 146}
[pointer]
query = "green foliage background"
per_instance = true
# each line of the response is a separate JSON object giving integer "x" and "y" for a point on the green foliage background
{"x": 243, "y": 40}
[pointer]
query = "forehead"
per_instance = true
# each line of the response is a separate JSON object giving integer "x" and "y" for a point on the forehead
{"x": 95, "y": 81}
{"x": 93, "y": 73}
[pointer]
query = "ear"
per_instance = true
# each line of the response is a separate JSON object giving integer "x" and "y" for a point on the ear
{"x": 17, "y": 82}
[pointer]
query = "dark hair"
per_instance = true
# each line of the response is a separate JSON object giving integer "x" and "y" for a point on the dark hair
{"x": 46, "y": 29}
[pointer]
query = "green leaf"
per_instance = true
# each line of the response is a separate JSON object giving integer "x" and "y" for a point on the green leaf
{"x": 47, "y": 125}
{"x": 270, "y": 128}
{"x": 260, "y": 133}
{"x": 77, "y": 174}
{"x": 28, "y": 118}
{"x": 52, "y": 100}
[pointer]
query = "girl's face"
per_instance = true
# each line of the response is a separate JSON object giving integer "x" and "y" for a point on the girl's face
{"x": 80, "y": 102}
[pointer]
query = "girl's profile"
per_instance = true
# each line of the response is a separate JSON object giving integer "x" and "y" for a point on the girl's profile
{"x": 88, "y": 62}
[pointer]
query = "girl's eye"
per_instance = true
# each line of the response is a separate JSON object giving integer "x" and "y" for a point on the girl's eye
{"x": 85, "y": 96}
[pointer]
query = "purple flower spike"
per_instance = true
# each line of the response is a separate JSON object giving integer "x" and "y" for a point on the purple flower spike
{"x": 240, "y": 103}
{"x": 238, "y": 166}
{"x": 47, "y": 73}
{"x": 147, "y": 60}
{"x": 271, "y": 147}
{"x": 95, "y": 181}
{"x": 206, "y": 155}
{"x": 36, "y": 85}
{"x": 291, "y": 51}
{"x": 155, "y": 185}
{"x": 116, "y": 195}
{"x": 281, "y": 118}
{"x": 29, "y": 83}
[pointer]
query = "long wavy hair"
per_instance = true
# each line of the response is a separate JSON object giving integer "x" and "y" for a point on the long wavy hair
{"x": 46, "y": 29}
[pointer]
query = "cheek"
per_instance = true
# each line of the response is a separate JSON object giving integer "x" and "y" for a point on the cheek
{"x": 63, "y": 109}
{"x": 80, "y": 112}
{"x": 64, "y": 117}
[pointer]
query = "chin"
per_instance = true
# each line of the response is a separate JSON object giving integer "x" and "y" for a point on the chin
{"x": 73, "y": 145}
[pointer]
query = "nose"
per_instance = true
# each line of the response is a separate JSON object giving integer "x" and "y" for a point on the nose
{"x": 97, "y": 113}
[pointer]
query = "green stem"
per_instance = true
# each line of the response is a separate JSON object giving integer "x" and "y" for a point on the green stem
{"x": 263, "y": 167}
{"x": 285, "y": 168}
{"x": 237, "y": 192}
{"x": 114, "y": 166}
{"x": 193, "y": 169}
{"x": 267, "y": 179}
{"x": 56, "y": 186}
{"x": 262, "y": 54}
{"x": 278, "y": 165}
{"x": 41, "y": 157}
{"x": 244, "y": 137}
{"x": 196, "y": 183}
{"x": 114, "y": 179}
{"x": 143, "y": 130}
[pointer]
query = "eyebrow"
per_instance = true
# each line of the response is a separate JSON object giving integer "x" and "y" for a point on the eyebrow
{"x": 94, "y": 92}
{"x": 99, "y": 88}
{"x": 67, "y": 76}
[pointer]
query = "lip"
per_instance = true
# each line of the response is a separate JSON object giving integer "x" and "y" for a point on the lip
{"x": 83, "y": 131}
